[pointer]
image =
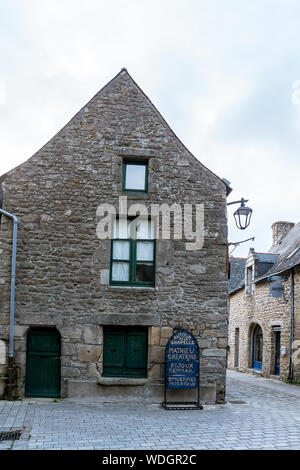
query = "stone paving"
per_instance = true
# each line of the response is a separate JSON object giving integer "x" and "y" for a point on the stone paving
{"x": 259, "y": 414}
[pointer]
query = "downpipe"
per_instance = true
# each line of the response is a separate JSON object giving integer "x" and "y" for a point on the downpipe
{"x": 291, "y": 371}
{"x": 10, "y": 370}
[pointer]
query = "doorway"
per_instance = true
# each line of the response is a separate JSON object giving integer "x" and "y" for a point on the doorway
{"x": 257, "y": 348}
{"x": 43, "y": 363}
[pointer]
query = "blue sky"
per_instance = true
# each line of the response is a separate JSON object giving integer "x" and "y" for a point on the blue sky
{"x": 220, "y": 72}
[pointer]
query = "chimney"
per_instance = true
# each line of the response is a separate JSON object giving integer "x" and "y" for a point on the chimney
{"x": 280, "y": 229}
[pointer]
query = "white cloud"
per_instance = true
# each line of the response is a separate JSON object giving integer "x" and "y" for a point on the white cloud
{"x": 3, "y": 93}
{"x": 221, "y": 73}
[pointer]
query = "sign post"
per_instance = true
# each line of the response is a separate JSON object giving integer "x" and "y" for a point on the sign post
{"x": 182, "y": 369}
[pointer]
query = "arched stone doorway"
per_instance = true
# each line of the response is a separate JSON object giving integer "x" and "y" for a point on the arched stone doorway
{"x": 43, "y": 363}
{"x": 257, "y": 348}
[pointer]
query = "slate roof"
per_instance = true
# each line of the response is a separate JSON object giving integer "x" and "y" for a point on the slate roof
{"x": 237, "y": 274}
{"x": 284, "y": 256}
{"x": 288, "y": 250}
{"x": 237, "y": 269}
{"x": 265, "y": 262}
{"x": 267, "y": 257}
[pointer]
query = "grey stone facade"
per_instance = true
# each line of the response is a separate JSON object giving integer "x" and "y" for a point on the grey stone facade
{"x": 251, "y": 304}
{"x": 63, "y": 268}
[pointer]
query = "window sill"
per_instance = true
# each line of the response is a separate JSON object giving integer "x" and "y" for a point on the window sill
{"x": 133, "y": 288}
{"x": 109, "y": 381}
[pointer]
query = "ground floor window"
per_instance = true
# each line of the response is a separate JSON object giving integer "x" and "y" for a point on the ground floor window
{"x": 257, "y": 348}
{"x": 125, "y": 351}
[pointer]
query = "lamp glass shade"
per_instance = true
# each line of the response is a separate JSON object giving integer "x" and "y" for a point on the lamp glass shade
{"x": 242, "y": 217}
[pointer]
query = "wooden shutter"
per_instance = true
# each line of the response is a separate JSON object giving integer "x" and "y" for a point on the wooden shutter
{"x": 125, "y": 352}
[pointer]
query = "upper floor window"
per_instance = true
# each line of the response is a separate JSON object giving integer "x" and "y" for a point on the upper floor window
{"x": 133, "y": 253}
{"x": 135, "y": 176}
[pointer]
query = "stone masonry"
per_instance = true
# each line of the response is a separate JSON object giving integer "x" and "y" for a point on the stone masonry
{"x": 62, "y": 278}
{"x": 251, "y": 307}
{"x": 248, "y": 310}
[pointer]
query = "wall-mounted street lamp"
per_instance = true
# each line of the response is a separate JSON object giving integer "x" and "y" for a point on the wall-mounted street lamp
{"x": 242, "y": 215}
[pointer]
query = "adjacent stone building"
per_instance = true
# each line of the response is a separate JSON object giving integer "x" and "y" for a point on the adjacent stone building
{"x": 92, "y": 315}
{"x": 264, "y": 318}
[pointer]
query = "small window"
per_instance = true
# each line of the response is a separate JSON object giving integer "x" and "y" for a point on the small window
{"x": 135, "y": 177}
{"x": 125, "y": 351}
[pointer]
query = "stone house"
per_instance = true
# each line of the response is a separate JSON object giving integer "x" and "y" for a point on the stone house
{"x": 93, "y": 315}
{"x": 264, "y": 314}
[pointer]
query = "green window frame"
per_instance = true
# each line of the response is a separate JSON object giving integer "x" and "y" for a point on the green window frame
{"x": 127, "y": 164}
{"x": 125, "y": 351}
{"x": 133, "y": 264}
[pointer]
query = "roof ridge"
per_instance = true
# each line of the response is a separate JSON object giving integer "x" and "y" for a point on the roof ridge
{"x": 265, "y": 253}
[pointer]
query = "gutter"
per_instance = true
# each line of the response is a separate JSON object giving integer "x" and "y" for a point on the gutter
{"x": 291, "y": 369}
{"x": 12, "y": 305}
{"x": 236, "y": 289}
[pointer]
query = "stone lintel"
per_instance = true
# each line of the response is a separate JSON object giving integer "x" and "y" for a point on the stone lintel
{"x": 134, "y": 153}
{"x": 127, "y": 319}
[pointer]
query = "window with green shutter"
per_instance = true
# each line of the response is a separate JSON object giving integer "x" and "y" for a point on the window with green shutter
{"x": 133, "y": 253}
{"x": 125, "y": 352}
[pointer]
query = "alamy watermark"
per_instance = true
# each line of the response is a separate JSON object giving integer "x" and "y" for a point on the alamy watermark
{"x": 188, "y": 221}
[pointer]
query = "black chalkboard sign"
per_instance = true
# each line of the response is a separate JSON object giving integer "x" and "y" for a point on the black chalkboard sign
{"x": 182, "y": 366}
{"x": 182, "y": 361}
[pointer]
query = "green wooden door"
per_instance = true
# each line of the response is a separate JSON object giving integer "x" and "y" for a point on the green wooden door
{"x": 43, "y": 363}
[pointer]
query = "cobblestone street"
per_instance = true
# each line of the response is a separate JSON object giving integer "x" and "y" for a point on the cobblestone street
{"x": 259, "y": 414}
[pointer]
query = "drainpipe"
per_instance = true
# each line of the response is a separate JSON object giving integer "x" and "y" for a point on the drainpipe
{"x": 291, "y": 371}
{"x": 12, "y": 305}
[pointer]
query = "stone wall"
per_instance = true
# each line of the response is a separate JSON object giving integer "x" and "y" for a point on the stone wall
{"x": 62, "y": 267}
{"x": 247, "y": 310}
{"x": 296, "y": 344}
